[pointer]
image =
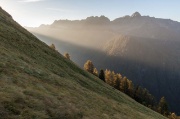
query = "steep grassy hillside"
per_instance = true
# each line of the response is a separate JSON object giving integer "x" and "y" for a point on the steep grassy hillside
{"x": 37, "y": 82}
{"x": 145, "y": 49}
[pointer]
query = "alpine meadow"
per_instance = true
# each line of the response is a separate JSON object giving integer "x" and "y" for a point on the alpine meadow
{"x": 76, "y": 59}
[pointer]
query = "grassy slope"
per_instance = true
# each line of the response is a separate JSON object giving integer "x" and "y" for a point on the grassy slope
{"x": 37, "y": 82}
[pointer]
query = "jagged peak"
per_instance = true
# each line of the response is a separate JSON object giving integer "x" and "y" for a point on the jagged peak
{"x": 136, "y": 14}
{"x": 102, "y": 17}
{"x": 97, "y": 20}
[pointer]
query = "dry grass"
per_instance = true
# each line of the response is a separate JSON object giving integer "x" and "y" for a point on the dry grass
{"x": 36, "y": 82}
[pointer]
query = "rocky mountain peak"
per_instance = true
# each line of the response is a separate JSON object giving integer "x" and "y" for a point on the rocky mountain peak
{"x": 136, "y": 14}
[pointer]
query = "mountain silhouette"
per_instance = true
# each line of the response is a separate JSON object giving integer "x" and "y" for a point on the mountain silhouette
{"x": 144, "y": 48}
{"x": 38, "y": 82}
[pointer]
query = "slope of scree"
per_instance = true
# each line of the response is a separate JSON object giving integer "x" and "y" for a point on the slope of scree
{"x": 38, "y": 82}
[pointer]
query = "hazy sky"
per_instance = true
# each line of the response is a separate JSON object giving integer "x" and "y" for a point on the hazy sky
{"x": 36, "y": 12}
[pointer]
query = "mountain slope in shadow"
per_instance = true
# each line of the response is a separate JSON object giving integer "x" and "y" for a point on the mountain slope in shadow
{"x": 38, "y": 82}
{"x": 146, "y": 49}
{"x": 133, "y": 57}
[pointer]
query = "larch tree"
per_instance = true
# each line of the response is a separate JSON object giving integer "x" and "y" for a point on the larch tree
{"x": 119, "y": 76}
{"x": 124, "y": 85}
{"x": 173, "y": 116}
{"x": 88, "y": 66}
{"x": 163, "y": 107}
{"x": 130, "y": 88}
{"x": 95, "y": 72}
{"x": 107, "y": 76}
{"x": 116, "y": 81}
{"x": 67, "y": 56}
{"x": 52, "y": 46}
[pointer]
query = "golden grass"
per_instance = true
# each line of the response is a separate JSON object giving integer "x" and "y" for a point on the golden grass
{"x": 37, "y": 82}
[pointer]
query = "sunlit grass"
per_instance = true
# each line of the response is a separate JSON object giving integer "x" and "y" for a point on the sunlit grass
{"x": 37, "y": 82}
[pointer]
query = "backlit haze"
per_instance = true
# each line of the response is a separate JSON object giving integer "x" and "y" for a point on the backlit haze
{"x": 33, "y": 13}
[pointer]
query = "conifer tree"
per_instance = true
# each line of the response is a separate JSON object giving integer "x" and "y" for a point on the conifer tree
{"x": 137, "y": 94}
{"x": 163, "y": 107}
{"x": 52, "y": 46}
{"x": 111, "y": 80}
{"x": 124, "y": 85}
{"x": 102, "y": 75}
{"x": 116, "y": 81}
{"x": 108, "y": 76}
{"x": 88, "y": 66}
{"x": 119, "y": 76}
{"x": 130, "y": 88}
{"x": 95, "y": 72}
{"x": 66, "y": 55}
{"x": 173, "y": 116}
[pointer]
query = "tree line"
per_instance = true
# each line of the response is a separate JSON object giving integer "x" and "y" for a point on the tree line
{"x": 125, "y": 85}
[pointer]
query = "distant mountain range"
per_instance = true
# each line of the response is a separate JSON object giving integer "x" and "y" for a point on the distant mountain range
{"x": 134, "y": 25}
{"x": 37, "y": 82}
{"x": 146, "y": 49}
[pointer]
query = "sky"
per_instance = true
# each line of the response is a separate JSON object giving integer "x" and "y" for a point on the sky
{"x": 33, "y": 13}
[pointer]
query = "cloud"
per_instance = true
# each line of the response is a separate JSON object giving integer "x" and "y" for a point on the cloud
{"x": 30, "y": 0}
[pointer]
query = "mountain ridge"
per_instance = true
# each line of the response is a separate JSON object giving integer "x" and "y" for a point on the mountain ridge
{"x": 158, "y": 37}
{"x": 38, "y": 82}
{"x": 141, "y": 26}
{"x": 102, "y": 17}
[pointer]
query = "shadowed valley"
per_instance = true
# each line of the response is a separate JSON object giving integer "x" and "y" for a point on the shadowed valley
{"x": 37, "y": 82}
{"x": 143, "y": 48}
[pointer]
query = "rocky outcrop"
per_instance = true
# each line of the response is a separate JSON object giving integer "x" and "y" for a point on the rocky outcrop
{"x": 136, "y": 14}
